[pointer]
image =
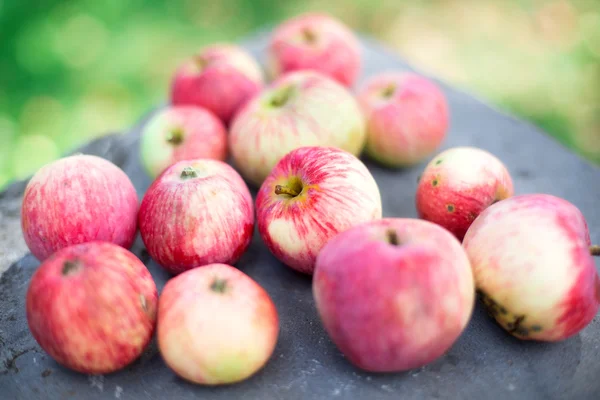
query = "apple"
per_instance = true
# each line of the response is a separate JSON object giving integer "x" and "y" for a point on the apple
{"x": 299, "y": 109}
{"x": 220, "y": 78}
{"x": 407, "y": 118}
{"x": 458, "y": 184}
{"x": 311, "y": 195}
{"x": 78, "y": 199}
{"x": 216, "y": 325}
{"x": 315, "y": 41}
{"x": 92, "y": 307}
{"x": 197, "y": 212}
{"x": 179, "y": 133}
{"x": 533, "y": 266}
{"x": 393, "y": 294}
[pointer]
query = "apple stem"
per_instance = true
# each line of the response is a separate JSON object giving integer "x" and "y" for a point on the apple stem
{"x": 392, "y": 237}
{"x": 70, "y": 267}
{"x": 388, "y": 91}
{"x": 189, "y": 172}
{"x": 218, "y": 285}
{"x": 309, "y": 36}
{"x": 282, "y": 96}
{"x": 175, "y": 137}
{"x": 595, "y": 250}
{"x": 279, "y": 189}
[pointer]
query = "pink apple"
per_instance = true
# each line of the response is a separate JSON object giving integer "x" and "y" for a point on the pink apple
{"x": 220, "y": 78}
{"x": 216, "y": 325}
{"x": 407, "y": 118}
{"x": 315, "y": 41}
{"x": 179, "y": 133}
{"x": 311, "y": 195}
{"x": 532, "y": 264}
{"x": 393, "y": 294}
{"x": 300, "y": 109}
{"x": 197, "y": 212}
{"x": 458, "y": 184}
{"x": 92, "y": 307}
{"x": 78, "y": 199}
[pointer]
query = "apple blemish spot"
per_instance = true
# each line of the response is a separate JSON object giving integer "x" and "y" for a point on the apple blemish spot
{"x": 450, "y": 208}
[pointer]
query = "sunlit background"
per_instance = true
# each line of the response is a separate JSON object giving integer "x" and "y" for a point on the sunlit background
{"x": 74, "y": 70}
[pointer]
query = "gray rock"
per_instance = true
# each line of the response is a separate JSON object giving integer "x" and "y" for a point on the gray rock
{"x": 484, "y": 363}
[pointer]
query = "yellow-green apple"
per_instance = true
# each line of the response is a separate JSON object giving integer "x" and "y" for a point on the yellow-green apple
{"x": 315, "y": 41}
{"x": 302, "y": 108}
{"x": 394, "y": 294}
{"x": 407, "y": 118}
{"x": 92, "y": 307}
{"x": 220, "y": 78}
{"x": 311, "y": 195}
{"x": 216, "y": 325}
{"x": 78, "y": 199}
{"x": 197, "y": 212}
{"x": 178, "y": 133}
{"x": 458, "y": 184}
{"x": 532, "y": 260}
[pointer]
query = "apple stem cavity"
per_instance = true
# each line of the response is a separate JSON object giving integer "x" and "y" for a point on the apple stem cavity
{"x": 71, "y": 268}
{"x": 200, "y": 62}
{"x": 175, "y": 136}
{"x": 189, "y": 173}
{"x": 392, "y": 237}
{"x": 218, "y": 285}
{"x": 388, "y": 91}
{"x": 282, "y": 96}
{"x": 286, "y": 190}
{"x": 595, "y": 250}
{"x": 309, "y": 36}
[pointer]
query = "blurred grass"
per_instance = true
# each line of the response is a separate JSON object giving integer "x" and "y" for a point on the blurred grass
{"x": 74, "y": 70}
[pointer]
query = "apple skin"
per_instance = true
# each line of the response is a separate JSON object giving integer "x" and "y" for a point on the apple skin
{"x": 92, "y": 307}
{"x": 315, "y": 41}
{"x": 407, "y": 118}
{"x": 178, "y": 133}
{"x": 220, "y": 78}
{"x": 78, "y": 199}
{"x": 458, "y": 184}
{"x": 216, "y": 325}
{"x": 197, "y": 212}
{"x": 299, "y": 109}
{"x": 336, "y": 191}
{"x": 393, "y": 294}
{"x": 533, "y": 268}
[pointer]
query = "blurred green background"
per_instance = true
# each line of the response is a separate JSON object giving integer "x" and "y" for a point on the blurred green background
{"x": 73, "y": 70}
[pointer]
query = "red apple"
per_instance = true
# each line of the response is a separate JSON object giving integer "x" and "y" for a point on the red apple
{"x": 458, "y": 184}
{"x": 197, "y": 212}
{"x": 92, "y": 307}
{"x": 407, "y": 118}
{"x": 299, "y": 109}
{"x": 179, "y": 133}
{"x": 78, "y": 199}
{"x": 311, "y": 195}
{"x": 533, "y": 268}
{"x": 393, "y": 294}
{"x": 216, "y": 325}
{"x": 315, "y": 41}
{"x": 220, "y": 78}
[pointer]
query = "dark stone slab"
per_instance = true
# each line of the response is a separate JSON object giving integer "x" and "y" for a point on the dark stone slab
{"x": 484, "y": 363}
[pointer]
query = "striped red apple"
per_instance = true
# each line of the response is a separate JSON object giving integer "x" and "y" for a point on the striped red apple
{"x": 533, "y": 264}
{"x": 458, "y": 184}
{"x": 312, "y": 194}
{"x": 302, "y": 108}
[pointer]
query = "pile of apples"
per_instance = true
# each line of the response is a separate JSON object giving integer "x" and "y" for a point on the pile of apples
{"x": 392, "y": 293}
